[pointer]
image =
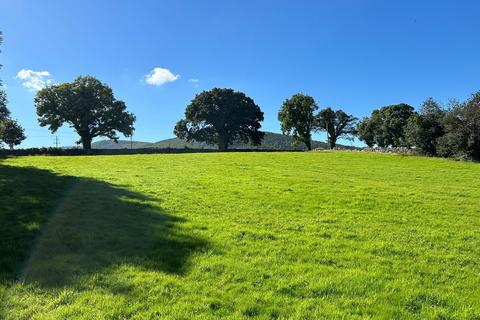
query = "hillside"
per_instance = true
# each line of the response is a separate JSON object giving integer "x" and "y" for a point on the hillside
{"x": 271, "y": 141}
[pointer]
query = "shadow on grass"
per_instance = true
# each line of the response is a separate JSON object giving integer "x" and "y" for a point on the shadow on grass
{"x": 54, "y": 229}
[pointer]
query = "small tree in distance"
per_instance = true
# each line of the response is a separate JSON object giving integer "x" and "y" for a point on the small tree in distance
{"x": 297, "y": 119}
{"x": 221, "y": 117}
{"x": 337, "y": 124}
{"x": 88, "y": 106}
{"x": 12, "y": 133}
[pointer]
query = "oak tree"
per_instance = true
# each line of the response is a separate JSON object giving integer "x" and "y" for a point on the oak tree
{"x": 88, "y": 106}
{"x": 221, "y": 117}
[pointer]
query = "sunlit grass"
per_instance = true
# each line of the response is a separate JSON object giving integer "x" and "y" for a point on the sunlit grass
{"x": 240, "y": 235}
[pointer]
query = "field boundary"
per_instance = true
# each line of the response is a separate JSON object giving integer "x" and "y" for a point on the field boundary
{"x": 4, "y": 153}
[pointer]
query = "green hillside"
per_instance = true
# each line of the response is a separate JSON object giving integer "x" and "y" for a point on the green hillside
{"x": 311, "y": 235}
{"x": 272, "y": 141}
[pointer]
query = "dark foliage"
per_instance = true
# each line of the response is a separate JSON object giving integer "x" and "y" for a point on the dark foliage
{"x": 462, "y": 130}
{"x": 12, "y": 133}
{"x": 337, "y": 124}
{"x": 297, "y": 118}
{"x": 366, "y": 131}
{"x": 386, "y": 126}
{"x": 221, "y": 116}
{"x": 88, "y": 106}
{"x": 424, "y": 129}
{"x": 4, "y": 112}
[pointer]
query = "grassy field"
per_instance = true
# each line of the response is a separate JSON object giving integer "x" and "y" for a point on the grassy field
{"x": 239, "y": 235}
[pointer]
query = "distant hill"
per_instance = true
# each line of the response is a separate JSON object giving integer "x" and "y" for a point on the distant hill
{"x": 271, "y": 141}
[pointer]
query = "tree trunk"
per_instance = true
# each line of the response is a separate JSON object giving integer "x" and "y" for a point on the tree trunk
{"x": 222, "y": 144}
{"x": 87, "y": 142}
{"x": 332, "y": 143}
{"x": 308, "y": 143}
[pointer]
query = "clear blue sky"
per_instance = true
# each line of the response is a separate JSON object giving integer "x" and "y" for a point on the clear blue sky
{"x": 355, "y": 55}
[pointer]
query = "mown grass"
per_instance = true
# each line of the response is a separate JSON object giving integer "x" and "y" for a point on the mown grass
{"x": 239, "y": 235}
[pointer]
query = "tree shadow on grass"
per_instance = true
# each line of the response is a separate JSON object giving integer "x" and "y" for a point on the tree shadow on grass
{"x": 55, "y": 229}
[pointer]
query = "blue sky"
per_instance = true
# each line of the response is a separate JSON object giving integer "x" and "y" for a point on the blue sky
{"x": 355, "y": 55}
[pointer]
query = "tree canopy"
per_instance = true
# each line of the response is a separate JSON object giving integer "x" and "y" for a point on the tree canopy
{"x": 221, "y": 116}
{"x": 424, "y": 129}
{"x": 462, "y": 130}
{"x": 88, "y": 106}
{"x": 297, "y": 118}
{"x": 386, "y": 126}
{"x": 12, "y": 133}
{"x": 366, "y": 131}
{"x": 336, "y": 124}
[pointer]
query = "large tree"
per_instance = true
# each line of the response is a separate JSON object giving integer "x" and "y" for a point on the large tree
{"x": 297, "y": 118}
{"x": 88, "y": 106}
{"x": 424, "y": 129}
{"x": 337, "y": 124}
{"x": 221, "y": 117}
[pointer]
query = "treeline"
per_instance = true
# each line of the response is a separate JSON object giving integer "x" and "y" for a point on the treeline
{"x": 4, "y": 153}
{"x": 433, "y": 130}
{"x": 223, "y": 117}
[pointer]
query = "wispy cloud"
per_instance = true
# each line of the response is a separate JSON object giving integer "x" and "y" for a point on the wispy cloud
{"x": 34, "y": 80}
{"x": 160, "y": 76}
{"x": 195, "y": 82}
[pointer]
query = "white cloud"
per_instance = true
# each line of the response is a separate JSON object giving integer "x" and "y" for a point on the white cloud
{"x": 194, "y": 82}
{"x": 34, "y": 80}
{"x": 160, "y": 76}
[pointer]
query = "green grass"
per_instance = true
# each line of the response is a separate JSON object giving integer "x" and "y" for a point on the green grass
{"x": 239, "y": 235}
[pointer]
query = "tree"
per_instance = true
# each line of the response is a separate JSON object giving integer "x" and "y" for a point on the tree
{"x": 386, "y": 126}
{"x": 297, "y": 118}
{"x": 221, "y": 117}
{"x": 336, "y": 124}
{"x": 425, "y": 128}
{"x": 392, "y": 128}
{"x": 10, "y": 131}
{"x": 366, "y": 131}
{"x": 4, "y": 112}
{"x": 88, "y": 106}
{"x": 13, "y": 134}
{"x": 462, "y": 130}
